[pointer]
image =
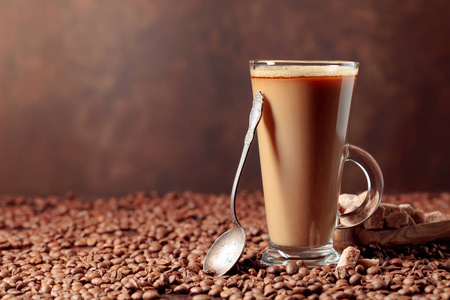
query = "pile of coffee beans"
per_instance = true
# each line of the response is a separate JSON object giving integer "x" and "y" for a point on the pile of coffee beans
{"x": 150, "y": 246}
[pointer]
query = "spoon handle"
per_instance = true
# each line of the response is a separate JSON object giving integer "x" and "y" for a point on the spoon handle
{"x": 255, "y": 116}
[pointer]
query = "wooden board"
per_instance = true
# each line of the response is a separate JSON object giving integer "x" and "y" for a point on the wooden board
{"x": 409, "y": 235}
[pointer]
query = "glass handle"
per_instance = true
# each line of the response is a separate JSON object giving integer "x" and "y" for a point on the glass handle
{"x": 375, "y": 186}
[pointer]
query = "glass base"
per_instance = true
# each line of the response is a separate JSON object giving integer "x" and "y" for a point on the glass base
{"x": 313, "y": 257}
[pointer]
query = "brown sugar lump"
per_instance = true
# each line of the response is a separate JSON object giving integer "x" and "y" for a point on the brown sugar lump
{"x": 397, "y": 220}
{"x": 419, "y": 216}
{"x": 367, "y": 262}
{"x": 390, "y": 208}
{"x": 434, "y": 216}
{"x": 362, "y": 196}
{"x": 348, "y": 203}
{"x": 406, "y": 207}
{"x": 376, "y": 221}
{"x": 349, "y": 258}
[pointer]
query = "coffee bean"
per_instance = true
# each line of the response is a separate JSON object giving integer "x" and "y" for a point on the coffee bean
{"x": 303, "y": 271}
{"x": 137, "y": 295}
{"x": 315, "y": 288}
{"x": 313, "y": 297}
{"x": 404, "y": 292}
{"x": 149, "y": 295}
{"x": 207, "y": 281}
{"x": 236, "y": 296}
{"x": 45, "y": 288}
{"x": 76, "y": 270}
{"x": 195, "y": 290}
{"x": 429, "y": 289}
{"x": 396, "y": 261}
{"x": 445, "y": 295}
{"x": 261, "y": 273}
{"x": 210, "y": 272}
{"x": 220, "y": 281}
{"x": 279, "y": 278}
{"x": 214, "y": 292}
{"x": 373, "y": 270}
{"x": 300, "y": 290}
{"x": 273, "y": 270}
{"x": 279, "y": 285}
{"x": 342, "y": 282}
{"x": 123, "y": 297}
{"x": 408, "y": 281}
{"x": 360, "y": 269}
{"x": 379, "y": 284}
{"x": 225, "y": 294}
{"x": 292, "y": 268}
{"x": 132, "y": 284}
{"x": 355, "y": 279}
{"x": 267, "y": 292}
{"x": 395, "y": 287}
{"x": 231, "y": 283}
{"x": 205, "y": 289}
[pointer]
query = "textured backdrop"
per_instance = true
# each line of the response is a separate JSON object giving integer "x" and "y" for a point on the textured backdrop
{"x": 105, "y": 97}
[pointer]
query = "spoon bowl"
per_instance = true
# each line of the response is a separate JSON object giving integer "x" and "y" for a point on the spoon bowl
{"x": 226, "y": 250}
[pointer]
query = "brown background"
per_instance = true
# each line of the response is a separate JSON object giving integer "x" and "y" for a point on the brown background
{"x": 109, "y": 97}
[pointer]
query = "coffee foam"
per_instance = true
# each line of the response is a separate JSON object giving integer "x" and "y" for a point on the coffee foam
{"x": 292, "y": 71}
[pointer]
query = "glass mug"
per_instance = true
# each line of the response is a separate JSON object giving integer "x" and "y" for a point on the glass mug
{"x": 302, "y": 140}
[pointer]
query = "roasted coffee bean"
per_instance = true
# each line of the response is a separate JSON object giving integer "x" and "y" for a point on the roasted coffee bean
{"x": 408, "y": 281}
{"x": 149, "y": 295}
{"x": 300, "y": 290}
{"x": 214, "y": 292}
{"x": 231, "y": 283}
{"x": 315, "y": 288}
{"x": 279, "y": 278}
{"x": 395, "y": 287}
{"x": 355, "y": 279}
{"x": 379, "y": 284}
{"x": 292, "y": 268}
{"x": 373, "y": 270}
{"x": 396, "y": 261}
{"x": 207, "y": 281}
{"x": 137, "y": 295}
{"x": 220, "y": 281}
{"x": 123, "y": 297}
{"x": 429, "y": 289}
{"x": 273, "y": 270}
{"x": 303, "y": 271}
{"x": 195, "y": 290}
{"x": 210, "y": 272}
{"x": 404, "y": 292}
{"x": 270, "y": 292}
{"x": 279, "y": 285}
{"x": 236, "y": 296}
{"x": 45, "y": 288}
{"x": 225, "y": 294}
{"x": 342, "y": 282}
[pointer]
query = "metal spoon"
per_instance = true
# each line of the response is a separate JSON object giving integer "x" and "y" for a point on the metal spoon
{"x": 228, "y": 248}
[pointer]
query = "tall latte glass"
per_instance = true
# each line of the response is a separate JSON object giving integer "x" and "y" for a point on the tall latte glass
{"x": 302, "y": 139}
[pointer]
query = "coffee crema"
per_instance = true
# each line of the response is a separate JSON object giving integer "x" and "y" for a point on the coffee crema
{"x": 302, "y": 137}
{"x": 290, "y": 71}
